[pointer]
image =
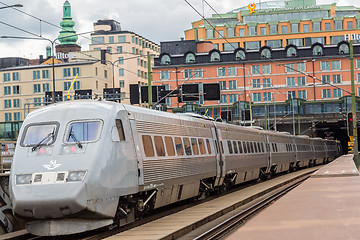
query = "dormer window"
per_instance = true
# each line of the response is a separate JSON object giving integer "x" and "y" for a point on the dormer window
{"x": 215, "y": 57}
{"x": 240, "y": 55}
{"x": 265, "y": 53}
{"x": 344, "y": 48}
{"x": 317, "y": 50}
{"x": 190, "y": 58}
{"x": 291, "y": 52}
{"x": 165, "y": 60}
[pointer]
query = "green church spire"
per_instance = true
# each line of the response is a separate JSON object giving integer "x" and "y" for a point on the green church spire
{"x": 67, "y": 33}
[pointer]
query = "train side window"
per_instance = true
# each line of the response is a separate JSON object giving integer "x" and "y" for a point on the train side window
{"x": 276, "y": 148}
{"x": 194, "y": 146}
{"x": 159, "y": 146}
{"x": 179, "y": 146}
{"x": 252, "y": 147}
{"x": 221, "y": 147}
{"x": 262, "y": 147}
{"x": 120, "y": 129}
{"x": 169, "y": 146}
{"x": 247, "y": 147}
{"x": 208, "y": 146}
{"x": 240, "y": 147}
{"x": 255, "y": 147}
{"x": 187, "y": 146}
{"x": 230, "y": 147}
{"x": 148, "y": 146}
{"x": 235, "y": 147}
{"x": 202, "y": 146}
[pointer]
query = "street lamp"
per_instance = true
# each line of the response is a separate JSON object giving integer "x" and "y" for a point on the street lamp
{"x": 11, "y": 6}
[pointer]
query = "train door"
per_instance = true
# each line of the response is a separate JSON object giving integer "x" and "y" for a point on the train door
{"x": 268, "y": 152}
{"x": 220, "y": 161}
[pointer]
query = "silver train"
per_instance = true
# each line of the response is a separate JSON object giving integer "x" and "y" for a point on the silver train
{"x": 83, "y": 165}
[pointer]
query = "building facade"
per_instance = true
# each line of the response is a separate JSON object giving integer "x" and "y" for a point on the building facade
{"x": 128, "y": 53}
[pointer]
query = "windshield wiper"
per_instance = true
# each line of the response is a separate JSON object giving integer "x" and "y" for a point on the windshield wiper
{"x": 72, "y": 135}
{"x": 43, "y": 140}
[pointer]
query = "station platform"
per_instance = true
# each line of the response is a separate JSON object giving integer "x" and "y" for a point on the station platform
{"x": 325, "y": 206}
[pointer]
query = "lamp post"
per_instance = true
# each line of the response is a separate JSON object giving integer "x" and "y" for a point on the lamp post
{"x": 11, "y": 6}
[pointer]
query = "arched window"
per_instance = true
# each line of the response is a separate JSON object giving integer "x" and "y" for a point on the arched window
{"x": 190, "y": 58}
{"x": 344, "y": 48}
{"x": 291, "y": 52}
{"x": 265, "y": 53}
{"x": 165, "y": 59}
{"x": 240, "y": 55}
{"x": 215, "y": 57}
{"x": 317, "y": 50}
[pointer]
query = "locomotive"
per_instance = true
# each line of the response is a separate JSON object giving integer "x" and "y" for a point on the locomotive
{"x": 85, "y": 164}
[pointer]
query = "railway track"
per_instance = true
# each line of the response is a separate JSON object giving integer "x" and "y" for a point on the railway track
{"x": 213, "y": 233}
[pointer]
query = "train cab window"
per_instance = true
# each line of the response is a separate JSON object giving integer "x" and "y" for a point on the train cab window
{"x": 120, "y": 129}
{"x": 221, "y": 147}
{"x": 235, "y": 147}
{"x": 201, "y": 146}
{"x": 187, "y": 146}
{"x": 208, "y": 146}
{"x": 159, "y": 146}
{"x": 179, "y": 146}
{"x": 240, "y": 147}
{"x": 84, "y": 131}
{"x": 194, "y": 146}
{"x": 39, "y": 134}
{"x": 230, "y": 147}
{"x": 148, "y": 146}
{"x": 169, "y": 146}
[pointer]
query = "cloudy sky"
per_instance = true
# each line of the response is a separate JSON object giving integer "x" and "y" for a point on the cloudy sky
{"x": 157, "y": 20}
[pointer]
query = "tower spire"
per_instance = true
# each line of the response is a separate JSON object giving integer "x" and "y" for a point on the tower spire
{"x": 67, "y": 34}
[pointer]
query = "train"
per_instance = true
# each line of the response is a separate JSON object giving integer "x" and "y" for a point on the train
{"x": 86, "y": 164}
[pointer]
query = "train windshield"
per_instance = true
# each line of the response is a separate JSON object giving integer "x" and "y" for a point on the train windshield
{"x": 87, "y": 131}
{"x": 37, "y": 134}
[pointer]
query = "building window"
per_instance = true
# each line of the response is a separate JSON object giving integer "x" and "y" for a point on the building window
{"x": 306, "y": 28}
{"x": 190, "y": 58}
{"x": 357, "y": 63}
{"x": 326, "y": 93}
{"x": 291, "y": 95}
{"x": 111, "y": 39}
{"x": 267, "y": 96}
{"x": 301, "y": 81}
{"x": 232, "y": 98}
{"x": 255, "y": 69}
{"x": 327, "y": 26}
{"x": 266, "y": 69}
{"x": 17, "y": 116}
{"x": 252, "y": 45}
{"x": 240, "y": 55}
{"x": 16, "y": 103}
{"x": 290, "y": 81}
{"x": 325, "y": 65}
{"x": 336, "y": 65}
{"x": 291, "y": 52}
{"x": 257, "y": 97}
{"x": 67, "y": 86}
{"x": 215, "y": 57}
{"x": 37, "y": 102}
{"x": 316, "y": 26}
{"x": 242, "y": 32}
{"x": 344, "y": 48}
{"x": 215, "y": 46}
{"x": 232, "y": 84}
{"x": 6, "y": 77}
{"x": 325, "y": 79}
{"x": 256, "y": 83}
{"x": 45, "y": 73}
{"x": 266, "y": 82}
{"x": 209, "y": 33}
{"x": 36, "y": 74}
{"x": 8, "y": 117}
{"x": 301, "y": 66}
{"x": 7, "y": 103}
{"x": 229, "y": 47}
{"x": 284, "y": 29}
{"x": 121, "y": 83}
{"x": 98, "y": 40}
{"x": 294, "y": 27}
{"x": 121, "y": 60}
{"x": 290, "y": 67}
{"x": 302, "y": 94}
{"x": 337, "y": 93}
{"x": 337, "y": 78}
{"x": 317, "y": 50}
{"x": 66, "y": 72}
{"x": 231, "y": 71}
{"x": 336, "y": 39}
{"x": 296, "y": 41}
{"x": 165, "y": 75}
{"x": 273, "y": 43}
{"x": 198, "y": 73}
{"x": 338, "y": 25}
{"x": 15, "y": 76}
{"x": 263, "y": 31}
{"x": 230, "y": 32}
{"x": 266, "y": 53}
{"x": 165, "y": 59}
{"x": 221, "y": 71}
{"x": 16, "y": 89}
{"x": 252, "y": 31}
{"x": 222, "y": 85}
{"x": 76, "y": 70}
{"x": 76, "y": 85}
{"x": 349, "y": 25}
{"x": 46, "y": 87}
{"x": 188, "y": 73}
{"x": 220, "y": 33}
{"x": 223, "y": 99}
{"x": 273, "y": 29}
{"x": 119, "y": 49}
{"x": 7, "y": 90}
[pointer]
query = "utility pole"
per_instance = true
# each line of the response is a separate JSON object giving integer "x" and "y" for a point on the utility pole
{"x": 149, "y": 81}
{"x": 353, "y": 104}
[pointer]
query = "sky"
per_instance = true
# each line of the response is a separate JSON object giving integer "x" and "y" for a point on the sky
{"x": 156, "y": 20}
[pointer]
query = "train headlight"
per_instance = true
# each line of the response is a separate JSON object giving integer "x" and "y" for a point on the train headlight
{"x": 76, "y": 176}
{"x": 23, "y": 179}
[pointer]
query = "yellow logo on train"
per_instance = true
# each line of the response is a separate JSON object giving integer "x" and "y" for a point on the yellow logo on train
{"x": 252, "y": 7}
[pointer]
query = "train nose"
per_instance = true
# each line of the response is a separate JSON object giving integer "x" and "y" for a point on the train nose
{"x": 49, "y": 201}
